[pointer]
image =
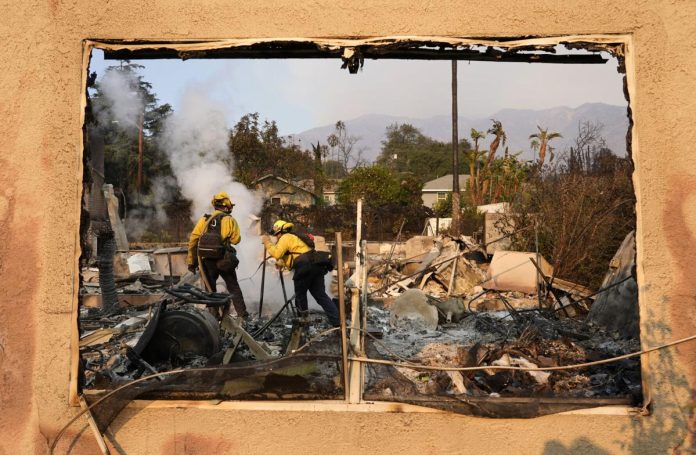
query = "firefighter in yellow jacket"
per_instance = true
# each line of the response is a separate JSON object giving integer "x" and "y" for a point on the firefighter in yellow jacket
{"x": 292, "y": 252}
{"x": 212, "y": 241}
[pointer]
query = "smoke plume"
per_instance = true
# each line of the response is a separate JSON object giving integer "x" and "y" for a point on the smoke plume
{"x": 124, "y": 100}
{"x": 195, "y": 138}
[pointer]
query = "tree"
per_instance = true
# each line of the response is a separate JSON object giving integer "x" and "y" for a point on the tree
{"x": 333, "y": 169}
{"x": 473, "y": 157}
{"x": 343, "y": 147}
{"x": 500, "y": 136}
{"x": 411, "y": 190}
{"x": 587, "y": 144}
{"x": 258, "y": 150}
{"x": 406, "y": 149}
{"x": 319, "y": 151}
{"x": 579, "y": 211}
{"x": 540, "y": 142}
{"x": 376, "y": 185}
{"x": 130, "y": 119}
{"x": 401, "y": 145}
{"x": 507, "y": 175}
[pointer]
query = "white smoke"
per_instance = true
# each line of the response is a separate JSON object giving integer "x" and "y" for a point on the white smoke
{"x": 195, "y": 138}
{"x": 125, "y": 103}
{"x": 150, "y": 213}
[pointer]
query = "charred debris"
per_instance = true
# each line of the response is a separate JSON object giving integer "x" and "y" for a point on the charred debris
{"x": 430, "y": 301}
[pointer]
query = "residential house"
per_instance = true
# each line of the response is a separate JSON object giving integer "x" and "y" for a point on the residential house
{"x": 438, "y": 189}
{"x": 284, "y": 192}
{"x": 330, "y": 191}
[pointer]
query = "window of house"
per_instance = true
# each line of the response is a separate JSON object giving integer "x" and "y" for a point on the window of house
{"x": 166, "y": 147}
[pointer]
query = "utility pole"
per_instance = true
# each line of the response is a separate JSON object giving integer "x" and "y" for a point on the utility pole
{"x": 455, "y": 229}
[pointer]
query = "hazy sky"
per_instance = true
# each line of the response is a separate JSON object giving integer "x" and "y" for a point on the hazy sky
{"x": 302, "y": 94}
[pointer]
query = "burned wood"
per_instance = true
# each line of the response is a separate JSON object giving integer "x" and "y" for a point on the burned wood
{"x": 233, "y": 327}
{"x": 295, "y": 337}
{"x": 549, "y": 286}
{"x": 229, "y": 353}
{"x": 403, "y": 49}
{"x": 432, "y": 266}
{"x": 94, "y": 427}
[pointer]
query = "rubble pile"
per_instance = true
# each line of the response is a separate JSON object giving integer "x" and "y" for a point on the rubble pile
{"x": 448, "y": 306}
{"x": 440, "y": 302}
{"x": 536, "y": 339}
{"x": 441, "y": 266}
{"x": 180, "y": 331}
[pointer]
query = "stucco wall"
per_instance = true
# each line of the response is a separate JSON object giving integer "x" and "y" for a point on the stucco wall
{"x": 40, "y": 172}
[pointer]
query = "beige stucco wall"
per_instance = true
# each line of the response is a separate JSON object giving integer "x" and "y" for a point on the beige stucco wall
{"x": 40, "y": 85}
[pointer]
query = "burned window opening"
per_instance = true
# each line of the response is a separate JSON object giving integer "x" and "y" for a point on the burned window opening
{"x": 353, "y": 59}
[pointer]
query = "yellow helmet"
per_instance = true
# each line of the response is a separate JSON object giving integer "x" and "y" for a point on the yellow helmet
{"x": 281, "y": 226}
{"x": 222, "y": 199}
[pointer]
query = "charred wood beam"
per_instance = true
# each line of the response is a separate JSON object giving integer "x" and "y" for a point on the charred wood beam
{"x": 366, "y": 52}
{"x": 232, "y": 326}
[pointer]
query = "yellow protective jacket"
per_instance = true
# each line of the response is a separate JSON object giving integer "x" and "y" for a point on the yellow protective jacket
{"x": 288, "y": 248}
{"x": 229, "y": 233}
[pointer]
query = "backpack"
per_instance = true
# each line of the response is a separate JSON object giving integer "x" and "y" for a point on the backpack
{"x": 303, "y": 235}
{"x": 313, "y": 257}
{"x": 210, "y": 242}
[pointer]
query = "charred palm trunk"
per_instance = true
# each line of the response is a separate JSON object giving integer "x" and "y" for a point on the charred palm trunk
{"x": 100, "y": 223}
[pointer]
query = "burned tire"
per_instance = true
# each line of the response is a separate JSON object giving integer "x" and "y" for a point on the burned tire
{"x": 182, "y": 334}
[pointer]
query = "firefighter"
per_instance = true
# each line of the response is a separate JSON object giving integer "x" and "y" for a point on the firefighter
{"x": 211, "y": 242}
{"x": 296, "y": 252}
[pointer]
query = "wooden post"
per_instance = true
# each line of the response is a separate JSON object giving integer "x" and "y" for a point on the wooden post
{"x": 358, "y": 238}
{"x": 355, "y": 389}
{"x": 342, "y": 313}
{"x": 95, "y": 428}
{"x": 363, "y": 310}
{"x": 454, "y": 274}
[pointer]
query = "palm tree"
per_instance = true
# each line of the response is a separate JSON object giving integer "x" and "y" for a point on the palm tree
{"x": 473, "y": 156}
{"x": 540, "y": 142}
{"x": 500, "y": 136}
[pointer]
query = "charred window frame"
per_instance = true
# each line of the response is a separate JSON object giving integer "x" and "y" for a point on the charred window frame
{"x": 353, "y": 53}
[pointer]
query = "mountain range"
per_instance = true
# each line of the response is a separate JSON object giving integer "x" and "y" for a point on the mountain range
{"x": 518, "y": 125}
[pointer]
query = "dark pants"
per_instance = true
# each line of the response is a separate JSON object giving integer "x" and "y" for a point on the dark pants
{"x": 212, "y": 272}
{"x": 312, "y": 280}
